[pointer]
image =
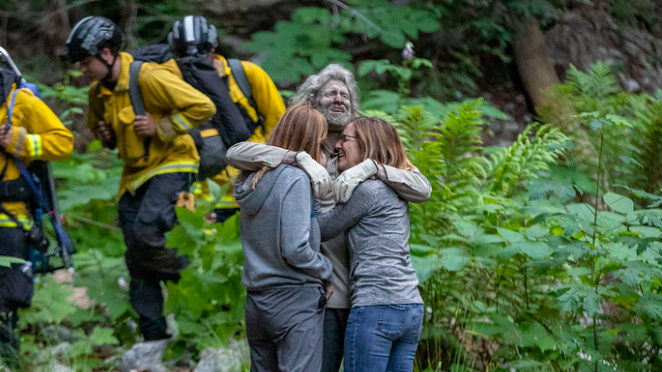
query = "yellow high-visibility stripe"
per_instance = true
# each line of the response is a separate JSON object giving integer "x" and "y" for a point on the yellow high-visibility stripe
{"x": 181, "y": 122}
{"x": 35, "y": 143}
{"x": 174, "y": 167}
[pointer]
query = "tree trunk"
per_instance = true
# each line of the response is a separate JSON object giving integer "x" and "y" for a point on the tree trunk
{"x": 533, "y": 61}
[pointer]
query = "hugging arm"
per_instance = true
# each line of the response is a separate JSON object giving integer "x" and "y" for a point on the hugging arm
{"x": 411, "y": 186}
{"x": 253, "y": 156}
{"x": 343, "y": 216}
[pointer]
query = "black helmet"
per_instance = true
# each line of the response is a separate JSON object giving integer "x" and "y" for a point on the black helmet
{"x": 192, "y": 35}
{"x": 89, "y": 36}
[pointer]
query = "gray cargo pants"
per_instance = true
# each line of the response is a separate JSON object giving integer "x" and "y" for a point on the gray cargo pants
{"x": 284, "y": 327}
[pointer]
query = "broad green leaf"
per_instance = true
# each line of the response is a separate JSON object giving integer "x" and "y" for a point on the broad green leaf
{"x": 534, "y": 334}
{"x": 647, "y": 231}
{"x": 534, "y": 250}
{"x": 582, "y": 210}
{"x": 101, "y": 336}
{"x": 619, "y": 203}
{"x": 510, "y": 235}
{"x": 650, "y": 304}
{"x": 620, "y": 251}
{"x": 536, "y": 231}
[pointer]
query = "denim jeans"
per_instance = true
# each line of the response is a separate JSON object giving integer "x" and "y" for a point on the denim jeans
{"x": 382, "y": 338}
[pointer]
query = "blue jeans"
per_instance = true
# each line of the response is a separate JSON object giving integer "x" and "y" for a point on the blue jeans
{"x": 383, "y": 338}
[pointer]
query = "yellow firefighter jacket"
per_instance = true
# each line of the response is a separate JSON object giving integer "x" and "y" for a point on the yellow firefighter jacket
{"x": 175, "y": 106}
{"x": 38, "y": 135}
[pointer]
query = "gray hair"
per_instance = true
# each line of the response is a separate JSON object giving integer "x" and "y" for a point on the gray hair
{"x": 308, "y": 90}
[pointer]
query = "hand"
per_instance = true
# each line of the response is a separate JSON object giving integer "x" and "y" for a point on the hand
{"x": 107, "y": 134}
{"x": 290, "y": 158}
{"x": 329, "y": 291}
{"x": 144, "y": 125}
{"x": 319, "y": 177}
{"x": 344, "y": 185}
{"x": 6, "y": 136}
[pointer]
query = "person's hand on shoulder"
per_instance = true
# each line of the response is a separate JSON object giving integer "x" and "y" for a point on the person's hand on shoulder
{"x": 319, "y": 177}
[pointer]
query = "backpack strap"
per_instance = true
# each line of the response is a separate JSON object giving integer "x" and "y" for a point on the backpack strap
{"x": 137, "y": 98}
{"x": 10, "y": 108}
{"x": 242, "y": 81}
{"x": 134, "y": 88}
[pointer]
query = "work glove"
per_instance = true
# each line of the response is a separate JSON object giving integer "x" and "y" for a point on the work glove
{"x": 344, "y": 185}
{"x": 319, "y": 177}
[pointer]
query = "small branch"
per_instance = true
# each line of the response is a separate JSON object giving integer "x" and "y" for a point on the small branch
{"x": 95, "y": 223}
{"x": 356, "y": 14}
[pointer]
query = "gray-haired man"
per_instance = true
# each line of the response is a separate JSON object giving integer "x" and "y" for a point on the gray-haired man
{"x": 334, "y": 92}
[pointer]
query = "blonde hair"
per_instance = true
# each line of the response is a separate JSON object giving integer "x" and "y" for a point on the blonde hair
{"x": 379, "y": 140}
{"x": 301, "y": 128}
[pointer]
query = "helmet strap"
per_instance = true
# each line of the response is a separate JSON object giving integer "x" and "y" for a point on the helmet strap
{"x": 107, "y": 80}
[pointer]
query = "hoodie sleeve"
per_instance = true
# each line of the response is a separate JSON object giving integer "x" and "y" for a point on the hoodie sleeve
{"x": 343, "y": 216}
{"x": 295, "y": 231}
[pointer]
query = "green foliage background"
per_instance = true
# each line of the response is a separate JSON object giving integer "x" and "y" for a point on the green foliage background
{"x": 540, "y": 256}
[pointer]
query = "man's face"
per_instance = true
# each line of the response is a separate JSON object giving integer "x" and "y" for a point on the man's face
{"x": 334, "y": 103}
{"x": 92, "y": 68}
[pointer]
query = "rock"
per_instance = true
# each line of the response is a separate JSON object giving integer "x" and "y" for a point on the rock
{"x": 61, "y": 368}
{"x": 57, "y": 333}
{"x": 61, "y": 350}
{"x": 224, "y": 359}
{"x": 145, "y": 356}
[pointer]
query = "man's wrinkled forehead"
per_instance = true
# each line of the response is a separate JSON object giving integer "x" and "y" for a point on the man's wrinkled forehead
{"x": 332, "y": 84}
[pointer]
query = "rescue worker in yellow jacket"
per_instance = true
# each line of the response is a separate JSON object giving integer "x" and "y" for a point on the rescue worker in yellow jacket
{"x": 194, "y": 35}
{"x": 35, "y": 133}
{"x": 160, "y": 159}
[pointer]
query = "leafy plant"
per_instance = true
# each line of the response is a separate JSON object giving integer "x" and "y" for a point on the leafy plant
{"x": 307, "y": 43}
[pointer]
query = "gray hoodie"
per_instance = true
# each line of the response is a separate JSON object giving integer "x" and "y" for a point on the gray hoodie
{"x": 279, "y": 232}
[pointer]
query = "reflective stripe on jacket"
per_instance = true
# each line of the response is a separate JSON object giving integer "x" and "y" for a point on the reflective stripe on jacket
{"x": 175, "y": 107}
{"x": 38, "y": 135}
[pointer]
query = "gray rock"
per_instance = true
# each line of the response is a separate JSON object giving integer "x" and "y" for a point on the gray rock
{"x": 61, "y": 350}
{"x": 57, "y": 334}
{"x": 228, "y": 359}
{"x": 145, "y": 356}
{"x": 61, "y": 368}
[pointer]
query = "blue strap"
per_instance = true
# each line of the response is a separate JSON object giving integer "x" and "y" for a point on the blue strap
{"x": 35, "y": 187}
{"x": 10, "y": 109}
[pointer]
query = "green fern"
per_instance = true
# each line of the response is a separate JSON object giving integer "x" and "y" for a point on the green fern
{"x": 524, "y": 159}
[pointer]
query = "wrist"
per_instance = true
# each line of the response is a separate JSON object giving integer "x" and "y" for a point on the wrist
{"x": 381, "y": 171}
{"x": 290, "y": 158}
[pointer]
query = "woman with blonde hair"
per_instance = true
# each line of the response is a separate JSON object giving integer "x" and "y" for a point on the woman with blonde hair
{"x": 386, "y": 316}
{"x": 286, "y": 277}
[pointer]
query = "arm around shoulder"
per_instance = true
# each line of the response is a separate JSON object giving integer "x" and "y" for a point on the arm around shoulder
{"x": 412, "y": 185}
{"x": 253, "y": 156}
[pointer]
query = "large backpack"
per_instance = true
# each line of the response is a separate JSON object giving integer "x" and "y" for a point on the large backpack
{"x": 36, "y": 187}
{"x": 231, "y": 123}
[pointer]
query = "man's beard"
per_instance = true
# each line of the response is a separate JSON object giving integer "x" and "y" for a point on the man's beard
{"x": 336, "y": 121}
